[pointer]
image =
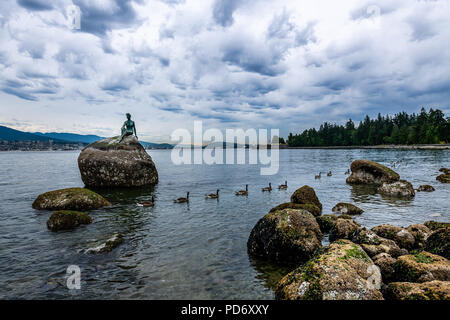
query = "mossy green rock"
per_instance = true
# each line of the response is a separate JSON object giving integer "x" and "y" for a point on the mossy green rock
{"x": 109, "y": 245}
{"x": 78, "y": 199}
{"x": 344, "y": 229}
{"x": 425, "y": 188}
{"x": 370, "y": 172}
{"x": 328, "y": 221}
{"x": 343, "y": 271}
{"x": 285, "y": 236}
{"x": 439, "y": 242}
{"x": 422, "y": 267}
{"x": 314, "y": 210}
{"x": 399, "y": 189}
{"x": 432, "y": 290}
{"x": 306, "y": 195}
{"x": 347, "y": 208}
{"x": 420, "y": 233}
{"x": 445, "y": 170}
{"x": 435, "y": 225}
{"x": 401, "y": 236}
{"x": 374, "y": 245}
{"x": 67, "y": 220}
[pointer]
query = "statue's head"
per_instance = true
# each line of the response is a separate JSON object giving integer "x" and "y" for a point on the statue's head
{"x": 128, "y": 116}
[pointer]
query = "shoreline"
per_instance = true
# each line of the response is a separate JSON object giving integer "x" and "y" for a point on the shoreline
{"x": 398, "y": 147}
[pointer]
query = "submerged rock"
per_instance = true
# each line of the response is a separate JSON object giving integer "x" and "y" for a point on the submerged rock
{"x": 314, "y": 210}
{"x": 328, "y": 221}
{"x": 370, "y": 172}
{"x": 401, "y": 188}
{"x": 432, "y": 290}
{"x": 401, "y": 236}
{"x": 109, "y": 245}
{"x": 114, "y": 163}
{"x": 342, "y": 272}
{"x": 344, "y": 229}
{"x": 306, "y": 195}
{"x": 67, "y": 220}
{"x": 422, "y": 267}
{"x": 286, "y": 236}
{"x": 439, "y": 242}
{"x": 347, "y": 208}
{"x": 70, "y": 199}
{"x": 425, "y": 188}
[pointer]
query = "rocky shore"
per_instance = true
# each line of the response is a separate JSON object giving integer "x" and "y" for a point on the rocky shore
{"x": 386, "y": 262}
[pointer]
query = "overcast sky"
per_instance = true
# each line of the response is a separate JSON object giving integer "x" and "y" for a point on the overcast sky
{"x": 231, "y": 63}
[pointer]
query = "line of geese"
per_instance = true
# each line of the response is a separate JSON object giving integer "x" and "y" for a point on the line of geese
{"x": 237, "y": 193}
{"x": 213, "y": 195}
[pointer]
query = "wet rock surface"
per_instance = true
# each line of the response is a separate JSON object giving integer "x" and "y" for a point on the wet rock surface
{"x": 306, "y": 195}
{"x": 370, "y": 172}
{"x": 401, "y": 188}
{"x": 67, "y": 220}
{"x": 347, "y": 208}
{"x": 421, "y": 267}
{"x": 433, "y": 290}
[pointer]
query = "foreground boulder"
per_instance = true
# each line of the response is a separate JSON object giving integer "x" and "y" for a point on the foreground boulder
{"x": 342, "y": 272}
{"x": 425, "y": 188}
{"x": 78, "y": 199}
{"x": 67, "y": 220}
{"x": 439, "y": 242}
{"x": 432, "y": 290}
{"x": 286, "y": 236}
{"x": 386, "y": 264}
{"x": 306, "y": 195}
{"x": 315, "y": 211}
{"x": 422, "y": 267}
{"x": 370, "y": 172}
{"x": 114, "y": 163}
{"x": 401, "y": 188}
{"x": 347, "y": 208}
{"x": 374, "y": 245}
{"x": 401, "y": 236}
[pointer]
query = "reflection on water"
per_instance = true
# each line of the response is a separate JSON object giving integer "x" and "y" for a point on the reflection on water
{"x": 183, "y": 251}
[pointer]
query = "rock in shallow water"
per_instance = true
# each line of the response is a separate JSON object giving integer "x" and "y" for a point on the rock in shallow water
{"x": 114, "y": 163}
{"x": 67, "y": 220}
{"x": 342, "y": 272}
{"x": 425, "y": 188}
{"x": 286, "y": 236}
{"x": 70, "y": 199}
{"x": 306, "y": 195}
{"x": 370, "y": 172}
{"x": 109, "y": 245}
{"x": 401, "y": 188}
{"x": 347, "y": 208}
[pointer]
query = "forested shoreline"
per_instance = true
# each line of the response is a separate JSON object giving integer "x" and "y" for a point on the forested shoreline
{"x": 430, "y": 127}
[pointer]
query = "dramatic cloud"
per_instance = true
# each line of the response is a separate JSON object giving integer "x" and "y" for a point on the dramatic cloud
{"x": 231, "y": 63}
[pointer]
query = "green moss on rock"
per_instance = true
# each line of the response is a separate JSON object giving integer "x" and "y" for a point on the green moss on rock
{"x": 435, "y": 225}
{"x": 370, "y": 172}
{"x": 306, "y": 195}
{"x": 78, "y": 199}
{"x": 314, "y": 210}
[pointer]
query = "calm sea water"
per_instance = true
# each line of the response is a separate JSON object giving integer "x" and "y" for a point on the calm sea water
{"x": 183, "y": 251}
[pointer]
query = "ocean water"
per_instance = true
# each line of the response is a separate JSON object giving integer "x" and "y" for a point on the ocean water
{"x": 183, "y": 251}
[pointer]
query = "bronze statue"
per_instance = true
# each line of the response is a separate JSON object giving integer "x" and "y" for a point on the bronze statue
{"x": 128, "y": 128}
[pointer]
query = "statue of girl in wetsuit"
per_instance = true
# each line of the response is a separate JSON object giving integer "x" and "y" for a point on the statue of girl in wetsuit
{"x": 128, "y": 128}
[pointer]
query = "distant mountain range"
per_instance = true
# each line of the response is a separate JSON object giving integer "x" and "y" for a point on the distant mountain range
{"x": 9, "y": 134}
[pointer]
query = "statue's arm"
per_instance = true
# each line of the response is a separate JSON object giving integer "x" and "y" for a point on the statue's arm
{"x": 134, "y": 128}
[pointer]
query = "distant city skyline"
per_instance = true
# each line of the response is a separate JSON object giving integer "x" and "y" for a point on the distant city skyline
{"x": 230, "y": 63}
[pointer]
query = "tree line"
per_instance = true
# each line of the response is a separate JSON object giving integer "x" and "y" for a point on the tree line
{"x": 430, "y": 127}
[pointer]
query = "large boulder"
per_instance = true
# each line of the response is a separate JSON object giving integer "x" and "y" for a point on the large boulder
{"x": 342, "y": 272}
{"x": 67, "y": 220}
{"x": 78, "y": 199}
{"x": 439, "y": 242}
{"x": 422, "y": 267}
{"x": 401, "y": 236}
{"x": 306, "y": 195}
{"x": 344, "y": 229}
{"x": 114, "y": 163}
{"x": 286, "y": 236}
{"x": 347, "y": 208}
{"x": 315, "y": 211}
{"x": 401, "y": 188}
{"x": 432, "y": 290}
{"x": 435, "y": 225}
{"x": 370, "y": 172}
